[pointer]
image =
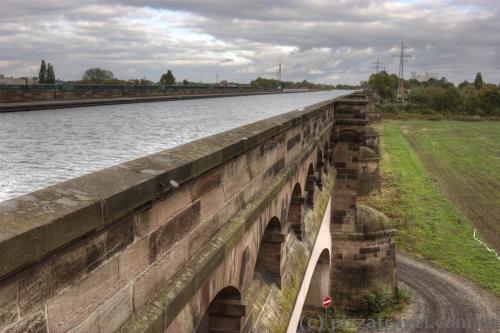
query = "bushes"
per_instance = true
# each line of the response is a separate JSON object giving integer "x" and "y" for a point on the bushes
{"x": 384, "y": 301}
{"x": 439, "y": 95}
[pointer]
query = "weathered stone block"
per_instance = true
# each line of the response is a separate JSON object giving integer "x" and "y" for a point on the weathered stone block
{"x": 76, "y": 303}
{"x": 114, "y": 312}
{"x": 211, "y": 203}
{"x": 34, "y": 323}
{"x": 91, "y": 324}
{"x": 198, "y": 237}
{"x": 174, "y": 230}
{"x": 206, "y": 183}
{"x": 145, "y": 221}
{"x": 134, "y": 259}
{"x": 176, "y": 201}
{"x": 8, "y": 303}
{"x": 45, "y": 279}
{"x": 96, "y": 251}
{"x": 158, "y": 273}
{"x": 236, "y": 183}
{"x": 25, "y": 221}
{"x": 119, "y": 235}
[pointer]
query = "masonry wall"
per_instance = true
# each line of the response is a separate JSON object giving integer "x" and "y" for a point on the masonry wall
{"x": 362, "y": 263}
{"x": 86, "y": 255}
{"x": 29, "y": 93}
{"x": 363, "y": 247}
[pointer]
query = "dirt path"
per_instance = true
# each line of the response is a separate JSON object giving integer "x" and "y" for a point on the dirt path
{"x": 446, "y": 302}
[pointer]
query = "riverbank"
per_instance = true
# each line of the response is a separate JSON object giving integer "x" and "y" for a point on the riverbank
{"x": 44, "y": 105}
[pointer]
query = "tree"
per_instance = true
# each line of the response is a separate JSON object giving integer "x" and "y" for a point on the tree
{"x": 478, "y": 82}
{"x": 51, "y": 76}
{"x": 98, "y": 75}
{"x": 265, "y": 83}
{"x": 168, "y": 78}
{"x": 464, "y": 84}
{"x": 384, "y": 84}
{"x": 42, "y": 74}
{"x": 470, "y": 98}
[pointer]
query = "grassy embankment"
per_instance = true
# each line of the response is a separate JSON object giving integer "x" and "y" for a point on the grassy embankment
{"x": 437, "y": 178}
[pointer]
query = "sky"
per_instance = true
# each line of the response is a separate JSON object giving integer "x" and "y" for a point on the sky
{"x": 326, "y": 41}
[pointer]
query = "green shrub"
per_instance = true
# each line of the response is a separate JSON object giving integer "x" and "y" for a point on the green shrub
{"x": 402, "y": 295}
{"x": 379, "y": 301}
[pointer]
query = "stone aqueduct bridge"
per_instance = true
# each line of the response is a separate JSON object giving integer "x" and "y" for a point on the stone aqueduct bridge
{"x": 230, "y": 233}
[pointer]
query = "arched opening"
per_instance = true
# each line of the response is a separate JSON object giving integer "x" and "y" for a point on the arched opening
{"x": 269, "y": 256}
{"x": 225, "y": 313}
{"x": 320, "y": 281}
{"x": 348, "y": 136}
{"x": 328, "y": 156}
{"x": 296, "y": 211}
{"x": 319, "y": 169}
{"x": 310, "y": 187}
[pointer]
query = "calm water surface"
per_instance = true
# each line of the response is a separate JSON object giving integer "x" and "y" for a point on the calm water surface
{"x": 41, "y": 148}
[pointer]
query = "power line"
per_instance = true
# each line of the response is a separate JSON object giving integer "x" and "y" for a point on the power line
{"x": 376, "y": 66}
{"x": 402, "y": 59}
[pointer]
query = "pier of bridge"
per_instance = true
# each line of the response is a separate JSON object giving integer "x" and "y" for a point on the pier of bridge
{"x": 235, "y": 232}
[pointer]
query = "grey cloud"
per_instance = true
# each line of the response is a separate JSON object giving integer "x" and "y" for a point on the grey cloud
{"x": 330, "y": 41}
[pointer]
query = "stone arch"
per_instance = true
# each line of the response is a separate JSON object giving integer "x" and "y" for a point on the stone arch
{"x": 328, "y": 154}
{"x": 310, "y": 179}
{"x": 320, "y": 281}
{"x": 224, "y": 314}
{"x": 348, "y": 136}
{"x": 295, "y": 215}
{"x": 319, "y": 169}
{"x": 269, "y": 255}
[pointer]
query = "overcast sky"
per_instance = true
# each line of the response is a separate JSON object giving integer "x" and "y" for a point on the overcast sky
{"x": 323, "y": 40}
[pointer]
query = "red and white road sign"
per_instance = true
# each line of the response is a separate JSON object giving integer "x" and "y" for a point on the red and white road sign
{"x": 327, "y": 301}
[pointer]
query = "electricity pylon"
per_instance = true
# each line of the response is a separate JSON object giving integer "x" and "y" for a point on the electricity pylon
{"x": 376, "y": 66}
{"x": 401, "y": 85}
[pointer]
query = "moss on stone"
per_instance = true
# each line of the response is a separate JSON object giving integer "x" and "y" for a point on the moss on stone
{"x": 370, "y": 220}
{"x": 366, "y": 153}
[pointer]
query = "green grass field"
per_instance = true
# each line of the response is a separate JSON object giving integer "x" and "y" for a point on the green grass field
{"x": 437, "y": 178}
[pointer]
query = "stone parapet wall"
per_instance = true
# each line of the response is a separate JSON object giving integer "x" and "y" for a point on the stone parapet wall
{"x": 31, "y": 93}
{"x": 88, "y": 254}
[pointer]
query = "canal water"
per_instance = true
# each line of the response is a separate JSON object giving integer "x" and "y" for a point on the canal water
{"x": 41, "y": 148}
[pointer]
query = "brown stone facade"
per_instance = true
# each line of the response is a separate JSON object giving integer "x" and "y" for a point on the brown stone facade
{"x": 164, "y": 242}
{"x": 213, "y": 235}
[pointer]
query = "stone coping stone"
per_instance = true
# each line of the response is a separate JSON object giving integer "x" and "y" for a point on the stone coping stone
{"x": 351, "y": 101}
{"x": 35, "y": 225}
{"x": 360, "y": 236}
{"x": 352, "y": 121}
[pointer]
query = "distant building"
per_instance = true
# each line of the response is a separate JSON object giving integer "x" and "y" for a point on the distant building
{"x": 17, "y": 80}
{"x": 425, "y": 77}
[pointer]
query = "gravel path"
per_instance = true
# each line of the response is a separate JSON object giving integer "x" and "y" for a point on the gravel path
{"x": 441, "y": 302}
{"x": 444, "y": 302}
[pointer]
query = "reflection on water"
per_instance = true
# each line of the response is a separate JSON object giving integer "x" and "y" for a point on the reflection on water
{"x": 40, "y": 148}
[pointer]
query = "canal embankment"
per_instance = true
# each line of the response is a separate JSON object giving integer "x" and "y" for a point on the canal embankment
{"x": 61, "y": 104}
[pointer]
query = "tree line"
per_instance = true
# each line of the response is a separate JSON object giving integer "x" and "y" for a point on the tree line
{"x": 46, "y": 73}
{"x": 441, "y": 96}
{"x": 103, "y": 76}
{"x": 273, "y": 84}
